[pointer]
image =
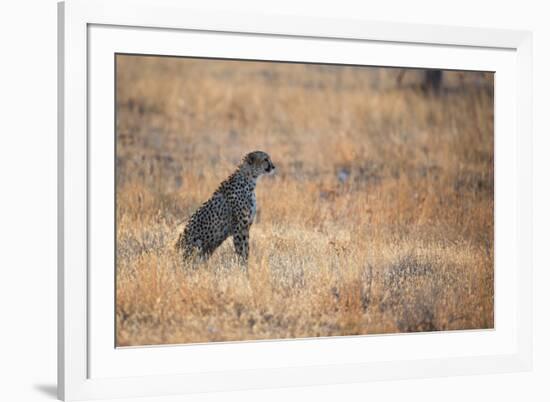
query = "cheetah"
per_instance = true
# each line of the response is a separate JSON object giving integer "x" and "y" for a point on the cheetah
{"x": 230, "y": 211}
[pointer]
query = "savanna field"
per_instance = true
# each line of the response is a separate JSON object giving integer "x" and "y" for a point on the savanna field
{"x": 379, "y": 218}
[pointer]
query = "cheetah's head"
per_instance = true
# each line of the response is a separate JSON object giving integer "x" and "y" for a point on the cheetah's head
{"x": 258, "y": 163}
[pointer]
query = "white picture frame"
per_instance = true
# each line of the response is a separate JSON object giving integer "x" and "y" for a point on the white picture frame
{"x": 90, "y": 367}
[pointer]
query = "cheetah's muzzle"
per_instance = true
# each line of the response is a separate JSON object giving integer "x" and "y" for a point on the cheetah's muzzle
{"x": 228, "y": 212}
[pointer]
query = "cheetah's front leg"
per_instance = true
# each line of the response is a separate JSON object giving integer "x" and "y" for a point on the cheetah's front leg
{"x": 240, "y": 241}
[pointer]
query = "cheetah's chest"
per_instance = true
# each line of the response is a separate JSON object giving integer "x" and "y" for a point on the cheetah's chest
{"x": 242, "y": 200}
{"x": 248, "y": 204}
{"x": 252, "y": 208}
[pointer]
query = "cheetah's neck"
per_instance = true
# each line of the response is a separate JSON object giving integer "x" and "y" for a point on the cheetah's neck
{"x": 240, "y": 175}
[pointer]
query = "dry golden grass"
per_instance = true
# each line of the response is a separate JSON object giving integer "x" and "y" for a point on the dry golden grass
{"x": 379, "y": 220}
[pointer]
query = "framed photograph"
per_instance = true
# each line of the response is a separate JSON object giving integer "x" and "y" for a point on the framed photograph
{"x": 253, "y": 201}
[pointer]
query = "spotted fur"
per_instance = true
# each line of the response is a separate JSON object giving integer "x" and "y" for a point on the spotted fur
{"x": 229, "y": 212}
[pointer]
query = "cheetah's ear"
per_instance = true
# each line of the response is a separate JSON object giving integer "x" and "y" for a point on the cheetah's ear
{"x": 250, "y": 158}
